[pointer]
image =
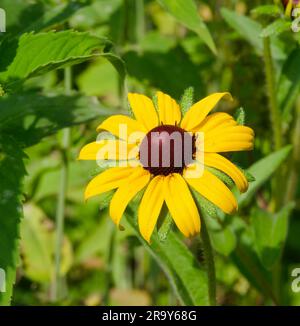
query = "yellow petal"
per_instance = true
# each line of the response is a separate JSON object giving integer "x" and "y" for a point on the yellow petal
{"x": 126, "y": 192}
{"x": 236, "y": 138}
{"x": 198, "y": 112}
{"x": 228, "y": 146}
{"x": 169, "y": 111}
{"x": 150, "y": 206}
{"x": 121, "y": 126}
{"x": 144, "y": 110}
{"x": 210, "y": 187}
{"x": 216, "y": 120}
{"x": 107, "y": 180}
{"x": 107, "y": 149}
{"x": 221, "y": 163}
{"x": 181, "y": 205}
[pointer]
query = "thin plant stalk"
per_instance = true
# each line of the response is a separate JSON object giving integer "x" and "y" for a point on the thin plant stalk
{"x": 275, "y": 117}
{"x": 109, "y": 265}
{"x": 57, "y": 284}
{"x": 271, "y": 90}
{"x": 210, "y": 263}
{"x": 295, "y": 162}
{"x": 140, "y": 21}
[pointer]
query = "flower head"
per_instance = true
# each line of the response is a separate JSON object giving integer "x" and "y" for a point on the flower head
{"x": 166, "y": 154}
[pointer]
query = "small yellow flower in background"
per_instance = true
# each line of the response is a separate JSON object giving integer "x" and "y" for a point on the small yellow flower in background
{"x": 170, "y": 184}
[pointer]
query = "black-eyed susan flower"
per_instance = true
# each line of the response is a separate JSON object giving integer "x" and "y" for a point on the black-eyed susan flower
{"x": 164, "y": 166}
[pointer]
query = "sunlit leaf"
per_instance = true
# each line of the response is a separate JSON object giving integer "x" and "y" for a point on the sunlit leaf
{"x": 36, "y": 54}
{"x": 30, "y": 117}
{"x": 185, "y": 11}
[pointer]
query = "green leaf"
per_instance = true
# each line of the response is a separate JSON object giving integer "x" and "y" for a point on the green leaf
{"x": 36, "y": 54}
{"x": 223, "y": 241}
{"x": 250, "y": 30}
{"x": 31, "y": 117}
{"x": 165, "y": 228}
{"x": 268, "y": 10}
{"x": 91, "y": 245}
{"x": 289, "y": 83}
{"x": 12, "y": 172}
{"x": 248, "y": 263}
{"x": 26, "y": 15}
{"x": 275, "y": 28}
{"x": 187, "y": 276}
{"x": 185, "y": 11}
{"x": 55, "y": 15}
{"x": 270, "y": 231}
{"x": 262, "y": 171}
{"x": 38, "y": 247}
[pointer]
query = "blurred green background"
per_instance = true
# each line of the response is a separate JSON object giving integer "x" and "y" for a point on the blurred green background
{"x": 161, "y": 48}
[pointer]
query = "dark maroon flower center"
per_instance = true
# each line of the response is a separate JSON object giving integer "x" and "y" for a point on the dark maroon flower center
{"x": 166, "y": 149}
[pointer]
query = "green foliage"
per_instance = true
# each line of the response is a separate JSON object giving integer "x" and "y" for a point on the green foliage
{"x": 270, "y": 231}
{"x": 277, "y": 27}
{"x": 185, "y": 12}
{"x": 289, "y": 84}
{"x": 12, "y": 172}
{"x": 35, "y": 54}
{"x": 250, "y": 30}
{"x": 31, "y": 117}
{"x": 158, "y": 45}
{"x": 224, "y": 240}
{"x": 268, "y": 10}
{"x": 38, "y": 247}
{"x": 186, "y": 275}
{"x": 262, "y": 171}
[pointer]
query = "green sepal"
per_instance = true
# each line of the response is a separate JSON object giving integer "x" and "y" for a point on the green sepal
{"x": 222, "y": 176}
{"x": 187, "y": 100}
{"x": 165, "y": 228}
{"x": 240, "y": 116}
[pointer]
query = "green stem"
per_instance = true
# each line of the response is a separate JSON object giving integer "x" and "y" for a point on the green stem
{"x": 271, "y": 89}
{"x": 210, "y": 263}
{"x": 61, "y": 200}
{"x": 295, "y": 162}
{"x": 109, "y": 265}
{"x": 140, "y": 21}
{"x": 275, "y": 116}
